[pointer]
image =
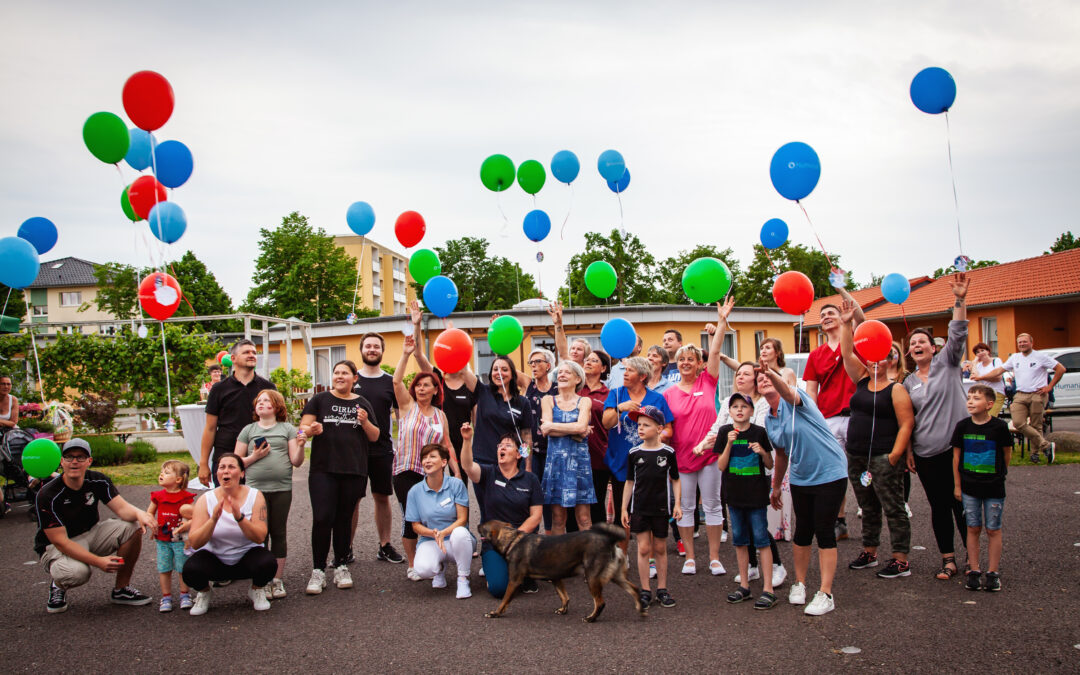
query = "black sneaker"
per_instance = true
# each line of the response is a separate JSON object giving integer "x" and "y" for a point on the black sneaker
{"x": 128, "y": 595}
{"x": 350, "y": 558}
{"x": 973, "y": 580}
{"x": 863, "y": 561}
{"x": 841, "y": 530}
{"x": 993, "y": 582}
{"x": 646, "y": 598}
{"x": 1034, "y": 457}
{"x": 57, "y": 600}
{"x": 664, "y": 598}
{"x": 895, "y": 568}
{"x": 530, "y": 586}
{"x": 388, "y": 554}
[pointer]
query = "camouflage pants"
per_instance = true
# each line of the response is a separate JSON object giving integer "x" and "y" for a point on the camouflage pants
{"x": 885, "y": 493}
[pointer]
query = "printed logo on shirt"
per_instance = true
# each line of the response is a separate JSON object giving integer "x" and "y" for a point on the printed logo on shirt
{"x": 342, "y": 414}
{"x": 640, "y": 460}
{"x": 979, "y": 454}
{"x": 744, "y": 462}
{"x": 89, "y": 498}
{"x": 661, "y": 461}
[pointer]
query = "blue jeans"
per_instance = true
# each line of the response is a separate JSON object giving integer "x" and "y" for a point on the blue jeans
{"x": 747, "y": 524}
{"x": 980, "y": 510}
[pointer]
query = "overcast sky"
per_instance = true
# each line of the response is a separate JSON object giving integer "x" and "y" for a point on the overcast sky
{"x": 311, "y": 106}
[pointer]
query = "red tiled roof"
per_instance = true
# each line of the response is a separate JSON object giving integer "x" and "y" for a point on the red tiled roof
{"x": 866, "y": 297}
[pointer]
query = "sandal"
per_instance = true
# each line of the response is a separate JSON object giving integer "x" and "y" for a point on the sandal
{"x": 766, "y": 601}
{"x": 946, "y": 573}
{"x": 740, "y": 594}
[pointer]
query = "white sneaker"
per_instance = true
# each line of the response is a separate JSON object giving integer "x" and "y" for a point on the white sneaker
{"x": 723, "y": 536}
{"x": 277, "y": 589}
{"x": 463, "y": 590}
{"x": 481, "y": 570}
{"x": 821, "y": 604}
{"x": 439, "y": 580}
{"x": 689, "y": 567}
{"x": 751, "y": 574}
{"x": 779, "y": 574}
{"x": 316, "y": 583}
{"x": 202, "y": 603}
{"x": 858, "y": 513}
{"x": 908, "y": 509}
{"x": 342, "y": 578}
{"x": 412, "y": 574}
{"x": 258, "y": 599}
{"x": 797, "y": 594}
{"x": 717, "y": 568}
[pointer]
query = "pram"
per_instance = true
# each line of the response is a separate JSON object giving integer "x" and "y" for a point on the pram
{"x": 17, "y": 483}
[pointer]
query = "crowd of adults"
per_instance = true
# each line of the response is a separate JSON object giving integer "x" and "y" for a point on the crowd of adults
{"x": 544, "y": 452}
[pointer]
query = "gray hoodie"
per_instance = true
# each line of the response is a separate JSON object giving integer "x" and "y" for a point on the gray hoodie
{"x": 941, "y": 401}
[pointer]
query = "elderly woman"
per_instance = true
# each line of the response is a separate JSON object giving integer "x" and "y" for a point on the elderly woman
{"x": 568, "y": 480}
{"x": 228, "y": 527}
{"x": 438, "y": 510}
{"x": 500, "y": 411}
{"x": 658, "y": 381}
{"x": 597, "y": 366}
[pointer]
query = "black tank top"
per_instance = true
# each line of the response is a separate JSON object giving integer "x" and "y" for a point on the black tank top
{"x": 876, "y": 409}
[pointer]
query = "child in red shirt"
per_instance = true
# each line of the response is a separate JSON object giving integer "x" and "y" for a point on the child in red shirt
{"x": 166, "y": 504}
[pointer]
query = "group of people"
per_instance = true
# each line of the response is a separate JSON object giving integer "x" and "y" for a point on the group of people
{"x": 543, "y": 452}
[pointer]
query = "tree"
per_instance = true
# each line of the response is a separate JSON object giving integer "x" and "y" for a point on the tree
{"x": 202, "y": 290}
{"x": 118, "y": 292}
{"x": 875, "y": 280}
{"x": 484, "y": 283}
{"x": 975, "y": 264}
{"x": 671, "y": 271}
{"x": 13, "y": 304}
{"x": 301, "y": 272}
{"x": 1064, "y": 243}
{"x": 634, "y": 266}
{"x": 755, "y": 289}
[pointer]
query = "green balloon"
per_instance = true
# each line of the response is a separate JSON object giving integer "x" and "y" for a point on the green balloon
{"x": 706, "y": 280}
{"x": 125, "y": 203}
{"x": 505, "y": 334}
{"x": 531, "y": 176}
{"x": 600, "y": 279}
{"x": 423, "y": 265}
{"x": 41, "y": 457}
{"x": 106, "y": 137}
{"x": 497, "y": 173}
{"x": 226, "y": 362}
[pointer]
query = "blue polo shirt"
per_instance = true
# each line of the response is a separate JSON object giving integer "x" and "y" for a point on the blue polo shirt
{"x": 815, "y": 455}
{"x": 509, "y": 500}
{"x": 437, "y": 510}
{"x": 624, "y": 436}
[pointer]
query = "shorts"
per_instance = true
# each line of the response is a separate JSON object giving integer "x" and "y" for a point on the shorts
{"x": 658, "y": 525}
{"x": 749, "y": 525}
{"x": 403, "y": 482}
{"x": 170, "y": 556}
{"x": 980, "y": 511}
{"x": 381, "y": 474}
{"x": 104, "y": 538}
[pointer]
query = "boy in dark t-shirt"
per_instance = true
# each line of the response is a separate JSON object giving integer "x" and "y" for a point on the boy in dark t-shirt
{"x": 982, "y": 450}
{"x": 645, "y": 500}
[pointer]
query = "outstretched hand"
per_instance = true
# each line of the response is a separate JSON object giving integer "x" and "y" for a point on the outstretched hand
{"x": 555, "y": 312}
{"x": 959, "y": 284}
{"x": 847, "y": 310}
{"x": 723, "y": 309}
{"x": 414, "y": 311}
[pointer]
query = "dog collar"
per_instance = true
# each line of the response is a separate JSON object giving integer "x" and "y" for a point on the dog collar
{"x": 514, "y": 543}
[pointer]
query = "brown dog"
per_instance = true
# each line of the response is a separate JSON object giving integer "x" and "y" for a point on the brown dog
{"x": 593, "y": 552}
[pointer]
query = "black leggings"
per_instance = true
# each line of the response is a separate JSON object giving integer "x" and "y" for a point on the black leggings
{"x": 936, "y": 476}
{"x": 815, "y": 509}
{"x": 257, "y": 564}
{"x": 600, "y": 479}
{"x": 277, "y": 517}
{"x": 403, "y": 482}
{"x": 539, "y": 460}
{"x": 753, "y": 552}
{"x": 333, "y": 500}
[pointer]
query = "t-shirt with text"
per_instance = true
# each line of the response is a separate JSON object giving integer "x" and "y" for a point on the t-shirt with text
{"x": 342, "y": 447}
{"x": 168, "y": 510}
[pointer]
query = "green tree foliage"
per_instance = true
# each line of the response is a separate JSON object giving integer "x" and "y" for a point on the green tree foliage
{"x": 301, "y": 272}
{"x": 288, "y": 382}
{"x": 1064, "y": 243}
{"x": 118, "y": 292}
{"x": 13, "y": 304}
{"x": 671, "y": 271}
{"x": 634, "y": 265}
{"x": 484, "y": 283}
{"x": 754, "y": 287}
{"x": 975, "y": 264}
{"x": 202, "y": 290}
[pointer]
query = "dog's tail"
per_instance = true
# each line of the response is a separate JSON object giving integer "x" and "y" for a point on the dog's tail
{"x": 614, "y": 532}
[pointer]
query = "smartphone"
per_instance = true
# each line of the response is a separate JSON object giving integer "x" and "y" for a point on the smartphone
{"x": 259, "y": 441}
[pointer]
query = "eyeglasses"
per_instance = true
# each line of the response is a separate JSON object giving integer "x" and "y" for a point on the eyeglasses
{"x": 537, "y": 362}
{"x": 75, "y": 459}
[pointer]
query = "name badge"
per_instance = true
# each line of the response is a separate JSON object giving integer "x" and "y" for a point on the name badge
{"x": 916, "y": 387}
{"x": 515, "y": 411}
{"x": 500, "y": 483}
{"x": 697, "y": 393}
{"x": 446, "y": 502}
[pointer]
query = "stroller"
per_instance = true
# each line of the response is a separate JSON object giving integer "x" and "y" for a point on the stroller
{"x": 17, "y": 483}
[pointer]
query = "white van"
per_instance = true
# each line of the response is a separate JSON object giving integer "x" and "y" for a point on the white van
{"x": 1067, "y": 391}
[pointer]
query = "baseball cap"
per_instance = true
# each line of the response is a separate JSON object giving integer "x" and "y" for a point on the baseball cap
{"x": 741, "y": 397}
{"x": 76, "y": 444}
{"x": 650, "y": 411}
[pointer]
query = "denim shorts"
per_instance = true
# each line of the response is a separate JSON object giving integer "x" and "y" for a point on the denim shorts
{"x": 979, "y": 511}
{"x": 170, "y": 556}
{"x": 749, "y": 523}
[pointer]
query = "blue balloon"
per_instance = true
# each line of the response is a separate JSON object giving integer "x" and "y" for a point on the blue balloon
{"x": 611, "y": 165}
{"x": 620, "y": 185}
{"x": 40, "y": 232}
{"x": 933, "y": 90}
{"x": 173, "y": 163}
{"x": 360, "y": 217}
{"x": 774, "y": 233}
{"x": 537, "y": 225}
{"x": 795, "y": 170}
{"x": 895, "y": 288}
{"x": 618, "y": 338}
{"x": 565, "y": 166}
{"x": 19, "y": 262}
{"x": 167, "y": 221}
{"x": 138, "y": 154}
{"x": 440, "y": 295}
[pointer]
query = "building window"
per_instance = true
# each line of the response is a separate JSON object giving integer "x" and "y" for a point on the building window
{"x": 72, "y": 299}
{"x": 989, "y": 333}
{"x": 759, "y": 337}
{"x": 726, "y": 381}
{"x": 41, "y": 310}
{"x": 325, "y": 358}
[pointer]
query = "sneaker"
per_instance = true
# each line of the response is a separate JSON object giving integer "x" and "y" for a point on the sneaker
{"x": 1034, "y": 457}
{"x": 663, "y": 598}
{"x": 388, "y": 554}
{"x": 821, "y": 604}
{"x": 185, "y": 601}
{"x": 973, "y": 583}
{"x": 841, "y": 530}
{"x": 697, "y": 533}
{"x": 797, "y": 594}
{"x": 907, "y": 509}
{"x": 993, "y": 582}
{"x": 739, "y": 594}
{"x": 413, "y": 575}
{"x": 350, "y": 558}
{"x": 717, "y": 568}
{"x": 689, "y": 567}
{"x": 463, "y": 588}
{"x": 530, "y": 586}
{"x": 895, "y": 568}
{"x": 1050, "y": 453}
{"x": 681, "y": 548}
{"x": 221, "y": 584}
{"x": 864, "y": 560}
{"x": 439, "y": 580}
{"x": 202, "y": 603}
{"x": 277, "y": 589}
{"x": 57, "y": 600}
{"x": 723, "y": 536}
{"x": 165, "y": 604}
{"x": 129, "y": 595}
{"x": 342, "y": 578}
{"x": 751, "y": 574}
{"x": 481, "y": 572}
{"x": 652, "y": 568}
{"x": 779, "y": 575}
{"x": 316, "y": 583}
{"x": 258, "y": 599}
{"x": 858, "y": 514}
{"x": 645, "y": 597}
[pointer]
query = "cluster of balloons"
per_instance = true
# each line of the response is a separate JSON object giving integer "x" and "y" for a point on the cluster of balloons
{"x": 20, "y": 256}
{"x": 612, "y": 168}
{"x": 224, "y": 359}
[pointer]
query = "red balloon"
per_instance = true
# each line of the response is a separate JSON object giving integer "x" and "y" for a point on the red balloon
{"x": 873, "y": 340}
{"x": 220, "y": 355}
{"x": 793, "y": 292}
{"x": 148, "y": 99}
{"x": 144, "y": 193}
{"x": 410, "y": 229}
{"x": 159, "y": 295}
{"x": 452, "y": 350}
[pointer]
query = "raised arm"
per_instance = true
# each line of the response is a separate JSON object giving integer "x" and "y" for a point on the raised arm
{"x": 421, "y": 356}
{"x": 787, "y": 393}
{"x": 852, "y": 364}
{"x": 959, "y": 285}
{"x": 723, "y": 311}
{"x": 561, "y": 345}
{"x": 858, "y": 316}
{"x": 401, "y": 393}
{"x": 468, "y": 466}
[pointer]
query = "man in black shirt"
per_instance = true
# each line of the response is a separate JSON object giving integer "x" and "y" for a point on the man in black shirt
{"x": 70, "y": 538}
{"x": 229, "y": 408}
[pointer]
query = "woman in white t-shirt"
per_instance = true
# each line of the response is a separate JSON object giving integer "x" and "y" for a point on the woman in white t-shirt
{"x": 983, "y": 364}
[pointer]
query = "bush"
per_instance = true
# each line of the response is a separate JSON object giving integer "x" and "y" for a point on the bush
{"x": 143, "y": 452}
{"x": 36, "y": 425}
{"x": 107, "y": 451}
{"x": 96, "y": 411}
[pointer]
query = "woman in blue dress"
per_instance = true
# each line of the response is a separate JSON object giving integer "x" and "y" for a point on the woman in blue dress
{"x": 568, "y": 474}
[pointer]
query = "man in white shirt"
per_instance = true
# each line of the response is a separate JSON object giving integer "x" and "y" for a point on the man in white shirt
{"x": 1031, "y": 369}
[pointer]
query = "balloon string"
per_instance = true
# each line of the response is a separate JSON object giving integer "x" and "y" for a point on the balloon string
{"x": 161, "y": 246}
{"x": 812, "y": 230}
{"x": 618, "y": 196}
{"x": 952, "y": 175}
{"x": 168, "y": 385}
{"x": 183, "y": 294}
{"x": 539, "y": 278}
{"x": 769, "y": 258}
{"x": 562, "y": 232}
{"x": 506, "y": 396}
{"x": 6, "y": 304}
{"x": 799, "y": 347}
{"x": 506, "y": 221}
{"x": 359, "y": 264}
{"x": 904, "y": 314}
{"x": 33, "y": 341}
{"x": 873, "y": 417}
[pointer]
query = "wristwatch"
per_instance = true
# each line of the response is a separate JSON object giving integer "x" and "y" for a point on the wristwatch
{"x": 242, "y": 516}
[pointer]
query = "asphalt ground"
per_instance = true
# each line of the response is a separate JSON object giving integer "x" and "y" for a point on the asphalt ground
{"x": 387, "y": 623}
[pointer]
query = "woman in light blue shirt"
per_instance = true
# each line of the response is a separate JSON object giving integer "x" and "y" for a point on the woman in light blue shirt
{"x": 438, "y": 508}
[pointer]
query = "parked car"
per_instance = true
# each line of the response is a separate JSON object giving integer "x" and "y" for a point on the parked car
{"x": 1067, "y": 391}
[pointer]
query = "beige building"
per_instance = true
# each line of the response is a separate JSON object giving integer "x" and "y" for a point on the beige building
{"x": 385, "y": 284}
{"x": 64, "y": 293}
